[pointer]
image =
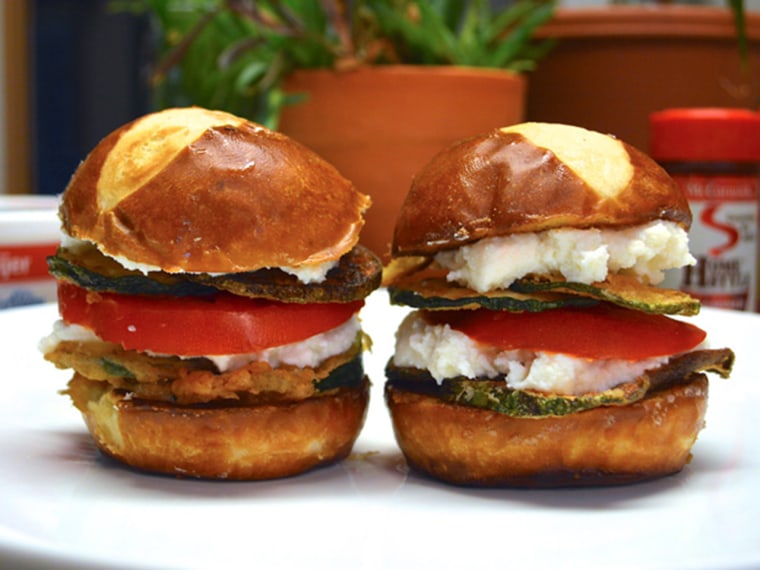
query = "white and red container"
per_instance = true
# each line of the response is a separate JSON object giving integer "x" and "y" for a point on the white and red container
{"x": 29, "y": 233}
{"x": 714, "y": 155}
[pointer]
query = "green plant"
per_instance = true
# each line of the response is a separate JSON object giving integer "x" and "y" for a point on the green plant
{"x": 738, "y": 10}
{"x": 235, "y": 54}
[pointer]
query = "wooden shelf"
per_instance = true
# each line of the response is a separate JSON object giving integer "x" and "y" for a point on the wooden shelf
{"x": 17, "y": 175}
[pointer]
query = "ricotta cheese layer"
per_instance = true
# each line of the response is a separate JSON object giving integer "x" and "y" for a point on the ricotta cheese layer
{"x": 447, "y": 353}
{"x": 582, "y": 256}
{"x": 308, "y": 353}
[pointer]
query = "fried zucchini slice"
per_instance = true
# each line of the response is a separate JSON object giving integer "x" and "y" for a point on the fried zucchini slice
{"x": 418, "y": 282}
{"x": 494, "y": 394}
{"x": 89, "y": 268}
{"x": 497, "y": 397}
{"x": 358, "y": 273}
{"x": 718, "y": 361}
{"x": 623, "y": 290}
{"x": 197, "y": 381}
{"x": 402, "y": 266}
{"x": 429, "y": 289}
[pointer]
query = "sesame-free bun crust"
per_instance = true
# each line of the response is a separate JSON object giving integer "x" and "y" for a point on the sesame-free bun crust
{"x": 217, "y": 442}
{"x": 204, "y": 191}
{"x": 602, "y": 446}
{"x": 532, "y": 177}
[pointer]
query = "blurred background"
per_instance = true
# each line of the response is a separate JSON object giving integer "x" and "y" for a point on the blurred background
{"x": 73, "y": 70}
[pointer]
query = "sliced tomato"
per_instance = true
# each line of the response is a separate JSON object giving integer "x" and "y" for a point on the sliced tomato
{"x": 196, "y": 326}
{"x": 599, "y": 332}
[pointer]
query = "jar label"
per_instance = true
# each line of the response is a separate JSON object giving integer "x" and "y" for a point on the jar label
{"x": 723, "y": 239}
{"x": 24, "y": 277}
{"x": 24, "y": 262}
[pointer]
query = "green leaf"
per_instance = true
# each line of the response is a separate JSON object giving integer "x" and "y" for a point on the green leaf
{"x": 452, "y": 12}
{"x": 738, "y": 11}
{"x": 235, "y": 55}
{"x": 511, "y": 48}
{"x": 251, "y": 74}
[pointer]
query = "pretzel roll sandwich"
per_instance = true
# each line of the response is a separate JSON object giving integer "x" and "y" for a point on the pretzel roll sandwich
{"x": 541, "y": 352}
{"x": 209, "y": 285}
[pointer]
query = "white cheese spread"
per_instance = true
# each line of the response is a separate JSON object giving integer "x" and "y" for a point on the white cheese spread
{"x": 583, "y": 256}
{"x": 311, "y": 273}
{"x": 306, "y": 274}
{"x": 447, "y": 353}
{"x": 63, "y": 332}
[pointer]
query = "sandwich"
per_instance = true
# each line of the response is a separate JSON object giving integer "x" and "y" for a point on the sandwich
{"x": 209, "y": 285}
{"x": 540, "y": 350}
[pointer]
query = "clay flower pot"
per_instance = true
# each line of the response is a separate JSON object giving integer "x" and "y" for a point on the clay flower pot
{"x": 614, "y": 65}
{"x": 379, "y": 125}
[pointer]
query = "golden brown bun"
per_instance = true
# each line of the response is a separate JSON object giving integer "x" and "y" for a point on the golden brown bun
{"x": 236, "y": 442}
{"x": 532, "y": 177}
{"x": 602, "y": 446}
{"x": 205, "y": 191}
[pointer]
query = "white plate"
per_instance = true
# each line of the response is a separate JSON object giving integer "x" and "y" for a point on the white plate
{"x": 62, "y": 503}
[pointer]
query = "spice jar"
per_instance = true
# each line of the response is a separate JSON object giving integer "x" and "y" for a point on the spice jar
{"x": 29, "y": 232}
{"x": 714, "y": 155}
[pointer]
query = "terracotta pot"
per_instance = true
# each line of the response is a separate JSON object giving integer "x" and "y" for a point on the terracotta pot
{"x": 615, "y": 65}
{"x": 380, "y": 125}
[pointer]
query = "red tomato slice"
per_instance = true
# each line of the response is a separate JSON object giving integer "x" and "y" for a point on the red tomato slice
{"x": 195, "y": 326}
{"x": 598, "y": 332}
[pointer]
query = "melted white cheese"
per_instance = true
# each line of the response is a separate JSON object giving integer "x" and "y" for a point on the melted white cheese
{"x": 63, "y": 332}
{"x": 583, "y": 256}
{"x": 310, "y": 352}
{"x": 447, "y": 353}
{"x": 311, "y": 273}
{"x": 306, "y": 274}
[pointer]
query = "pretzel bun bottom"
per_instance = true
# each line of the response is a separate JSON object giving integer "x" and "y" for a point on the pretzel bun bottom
{"x": 612, "y": 445}
{"x": 222, "y": 442}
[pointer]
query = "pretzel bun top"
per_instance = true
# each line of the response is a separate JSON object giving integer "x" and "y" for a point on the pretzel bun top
{"x": 532, "y": 177}
{"x": 194, "y": 190}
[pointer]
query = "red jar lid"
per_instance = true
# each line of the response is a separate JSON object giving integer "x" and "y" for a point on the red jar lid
{"x": 705, "y": 135}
